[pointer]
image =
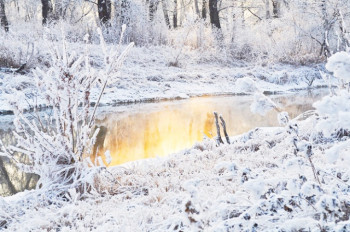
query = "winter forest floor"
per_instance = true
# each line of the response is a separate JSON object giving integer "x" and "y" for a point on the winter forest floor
{"x": 268, "y": 179}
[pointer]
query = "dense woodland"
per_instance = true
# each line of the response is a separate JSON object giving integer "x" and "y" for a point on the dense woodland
{"x": 292, "y": 31}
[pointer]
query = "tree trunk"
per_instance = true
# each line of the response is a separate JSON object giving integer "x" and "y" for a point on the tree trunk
{"x": 46, "y": 11}
{"x": 182, "y": 12}
{"x": 104, "y": 12}
{"x": 117, "y": 12}
{"x": 153, "y": 4}
{"x": 197, "y": 8}
{"x": 267, "y": 9}
{"x": 3, "y": 18}
{"x": 204, "y": 9}
{"x": 243, "y": 14}
{"x": 276, "y": 5}
{"x": 59, "y": 10}
{"x": 165, "y": 12}
{"x": 326, "y": 27}
{"x": 344, "y": 41}
{"x": 125, "y": 12}
{"x": 175, "y": 14}
{"x": 234, "y": 22}
{"x": 214, "y": 14}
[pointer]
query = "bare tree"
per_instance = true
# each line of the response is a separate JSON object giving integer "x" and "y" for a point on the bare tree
{"x": 204, "y": 9}
{"x": 242, "y": 13}
{"x": 104, "y": 12}
{"x": 46, "y": 11}
{"x": 267, "y": 9}
{"x": 165, "y": 12}
{"x": 60, "y": 9}
{"x": 125, "y": 12}
{"x": 153, "y": 5}
{"x": 326, "y": 28}
{"x": 276, "y": 11}
{"x": 344, "y": 41}
{"x": 3, "y": 19}
{"x": 214, "y": 14}
{"x": 197, "y": 8}
{"x": 175, "y": 14}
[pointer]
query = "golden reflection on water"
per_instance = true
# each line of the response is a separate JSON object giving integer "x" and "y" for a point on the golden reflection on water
{"x": 172, "y": 127}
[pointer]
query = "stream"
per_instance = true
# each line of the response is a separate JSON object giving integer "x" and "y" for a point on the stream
{"x": 137, "y": 131}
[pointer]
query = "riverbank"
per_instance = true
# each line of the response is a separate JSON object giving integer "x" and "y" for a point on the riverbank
{"x": 147, "y": 76}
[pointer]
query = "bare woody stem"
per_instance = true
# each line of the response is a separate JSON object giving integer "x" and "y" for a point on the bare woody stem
{"x": 218, "y": 137}
{"x": 223, "y": 124}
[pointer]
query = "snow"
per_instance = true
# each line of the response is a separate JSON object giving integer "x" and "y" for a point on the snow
{"x": 339, "y": 64}
{"x": 262, "y": 104}
{"x": 247, "y": 185}
{"x": 146, "y": 75}
{"x": 283, "y": 118}
{"x": 293, "y": 177}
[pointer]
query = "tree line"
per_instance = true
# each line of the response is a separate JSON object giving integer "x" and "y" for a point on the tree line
{"x": 320, "y": 23}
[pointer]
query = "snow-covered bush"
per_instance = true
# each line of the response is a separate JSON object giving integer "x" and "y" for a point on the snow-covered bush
{"x": 59, "y": 141}
{"x": 261, "y": 103}
{"x": 339, "y": 64}
{"x": 334, "y": 110}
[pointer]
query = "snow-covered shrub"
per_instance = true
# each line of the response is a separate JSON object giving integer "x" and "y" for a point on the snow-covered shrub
{"x": 59, "y": 141}
{"x": 334, "y": 109}
{"x": 246, "y": 85}
{"x": 339, "y": 64}
{"x": 261, "y": 103}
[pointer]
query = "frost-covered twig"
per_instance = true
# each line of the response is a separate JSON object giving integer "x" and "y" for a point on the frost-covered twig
{"x": 218, "y": 135}
{"x": 309, "y": 154}
{"x": 223, "y": 124}
{"x": 57, "y": 144}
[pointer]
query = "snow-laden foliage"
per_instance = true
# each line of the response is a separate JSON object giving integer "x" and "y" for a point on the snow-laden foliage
{"x": 59, "y": 141}
{"x": 246, "y": 85}
{"x": 334, "y": 110}
{"x": 339, "y": 64}
{"x": 261, "y": 103}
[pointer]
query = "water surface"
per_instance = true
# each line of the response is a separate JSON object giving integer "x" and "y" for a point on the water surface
{"x": 159, "y": 129}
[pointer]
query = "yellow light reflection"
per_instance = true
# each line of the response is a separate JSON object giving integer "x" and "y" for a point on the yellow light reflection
{"x": 174, "y": 127}
{"x": 145, "y": 135}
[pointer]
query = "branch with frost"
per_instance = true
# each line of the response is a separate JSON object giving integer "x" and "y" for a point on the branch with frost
{"x": 59, "y": 145}
{"x": 261, "y": 104}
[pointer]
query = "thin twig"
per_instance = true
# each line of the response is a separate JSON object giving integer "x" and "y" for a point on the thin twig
{"x": 218, "y": 137}
{"x": 223, "y": 124}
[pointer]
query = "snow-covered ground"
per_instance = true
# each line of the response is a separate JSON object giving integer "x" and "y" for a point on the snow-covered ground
{"x": 257, "y": 183}
{"x": 147, "y": 76}
{"x": 291, "y": 178}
